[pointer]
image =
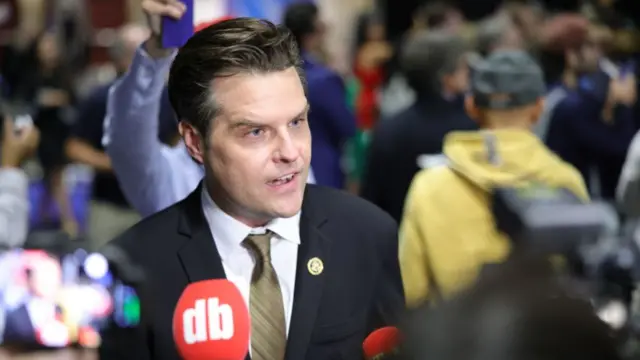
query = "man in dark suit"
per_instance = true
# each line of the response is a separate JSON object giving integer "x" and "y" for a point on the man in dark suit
{"x": 332, "y": 123}
{"x": 18, "y": 326}
{"x": 38, "y": 308}
{"x": 329, "y": 269}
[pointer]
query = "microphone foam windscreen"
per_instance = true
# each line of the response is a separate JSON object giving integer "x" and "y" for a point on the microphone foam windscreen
{"x": 381, "y": 341}
{"x": 211, "y": 322}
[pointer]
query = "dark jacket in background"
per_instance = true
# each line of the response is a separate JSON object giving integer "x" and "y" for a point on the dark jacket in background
{"x": 89, "y": 128}
{"x": 578, "y": 134}
{"x": 330, "y": 120}
{"x": 398, "y": 142}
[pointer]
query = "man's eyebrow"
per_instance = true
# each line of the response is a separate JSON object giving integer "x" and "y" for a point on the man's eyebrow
{"x": 302, "y": 113}
{"x": 253, "y": 124}
{"x": 246, "y": 124}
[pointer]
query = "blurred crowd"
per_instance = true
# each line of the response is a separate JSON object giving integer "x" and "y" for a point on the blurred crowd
{"x": 392, "y": 117}
{"x": 395, "y": 87}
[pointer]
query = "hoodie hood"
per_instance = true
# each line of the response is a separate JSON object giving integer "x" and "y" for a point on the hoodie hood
{"x": 501, "y": 157}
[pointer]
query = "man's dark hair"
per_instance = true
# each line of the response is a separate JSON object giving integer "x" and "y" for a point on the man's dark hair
{"x": 300, "y": 19}
{"x": 428, "y": 56}
{"x": 516, "y": 312}
{"x": 227, "y": 48}
{"x": 435, "y": 14}
{"x": 491, "y": 32}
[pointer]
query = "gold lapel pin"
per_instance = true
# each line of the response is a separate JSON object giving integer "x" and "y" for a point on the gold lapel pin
{"x": 315, "y": 266}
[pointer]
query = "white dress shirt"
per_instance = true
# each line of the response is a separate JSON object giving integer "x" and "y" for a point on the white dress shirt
{"x": 228, "y": 235}
{"x": 40, "y": 312}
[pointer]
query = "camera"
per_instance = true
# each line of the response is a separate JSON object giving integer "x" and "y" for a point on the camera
{"x": 53, "y": 301}
{"x": 602, "y": 262}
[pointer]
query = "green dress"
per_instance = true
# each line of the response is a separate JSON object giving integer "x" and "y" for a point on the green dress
{"x": 356, "y": 148}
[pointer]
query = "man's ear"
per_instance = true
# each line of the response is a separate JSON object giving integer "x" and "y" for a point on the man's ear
{"x": 538, "y": 109}
{"x": 193, "y": 141}
{"x": 471, "y": 108}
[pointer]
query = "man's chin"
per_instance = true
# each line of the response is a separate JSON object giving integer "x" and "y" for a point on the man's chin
{"x": 286, "y": 208}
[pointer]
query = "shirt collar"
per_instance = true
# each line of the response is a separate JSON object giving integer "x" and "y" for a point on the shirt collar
{"x": 229, "y": 233}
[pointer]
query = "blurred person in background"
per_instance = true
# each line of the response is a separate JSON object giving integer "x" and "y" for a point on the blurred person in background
{"x": 396, "y": 94}
{"x": 372, "y": 51}
{"x": 605, "y": 12}
{"x": 498, "y": 32}
{"x": 49, "y": 88}
{"x": 561, "y": 40}
{"x": 332, "y": 122}
{"x": 110, "y": 212}
{"x": 72, "y": 21}
{"x": 152, "y": 175}
{"x": 15, "y": 65}
{"x": 447, "y": 234}
{"x": 527, "y": 17}
{"x": 16, "y": 147}
{"x": 370, "y": 55}
{"x": 440, "y": 15}
{"x": 592, "y": 127}
{"x": 434, "y": 63}
{"x": 516, "y": 313}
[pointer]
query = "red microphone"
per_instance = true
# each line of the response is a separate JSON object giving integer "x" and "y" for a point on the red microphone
{"x": 211, "y": 322}
{"x": 382, "y": 343}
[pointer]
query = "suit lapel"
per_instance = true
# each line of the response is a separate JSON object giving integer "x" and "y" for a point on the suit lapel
{"x": 198, "y": 255}
{"x": 308, "y": 288}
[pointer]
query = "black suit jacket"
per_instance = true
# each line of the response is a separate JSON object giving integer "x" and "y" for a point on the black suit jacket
{"x": 359, "y": 289}
{"x": 18, "y": 328}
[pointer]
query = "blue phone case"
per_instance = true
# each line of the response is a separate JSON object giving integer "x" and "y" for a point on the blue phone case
{"x": 175, "y": 33}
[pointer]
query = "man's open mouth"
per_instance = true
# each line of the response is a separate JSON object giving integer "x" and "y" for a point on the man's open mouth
{"x": 283, "y": 179}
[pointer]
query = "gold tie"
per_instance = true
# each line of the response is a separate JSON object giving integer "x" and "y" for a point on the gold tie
{"x": 268, "y": 328}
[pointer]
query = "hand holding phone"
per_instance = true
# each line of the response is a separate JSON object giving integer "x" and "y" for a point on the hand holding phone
{"x": 155, "y": 11}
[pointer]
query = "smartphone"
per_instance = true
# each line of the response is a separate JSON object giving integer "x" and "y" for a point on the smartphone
{"x": 175, "y": 33}
{"x": 20, "y": 116}
{"x": 199, "y": 14}
{"x": 51, "y": 301}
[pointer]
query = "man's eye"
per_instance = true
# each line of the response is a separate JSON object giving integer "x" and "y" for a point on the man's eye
{"x": 297, "y": 122}
{"x": 255, "y": 132}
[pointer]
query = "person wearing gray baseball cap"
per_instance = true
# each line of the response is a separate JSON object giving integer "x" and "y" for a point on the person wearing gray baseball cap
{"x": 447, "y": 233}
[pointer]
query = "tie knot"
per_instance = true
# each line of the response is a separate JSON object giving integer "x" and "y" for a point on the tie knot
{"x": 259, "y": 246}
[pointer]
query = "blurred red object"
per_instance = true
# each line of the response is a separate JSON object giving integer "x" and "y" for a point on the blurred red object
{"x": 563, "y": 32}
{"x": 209, "y": 23}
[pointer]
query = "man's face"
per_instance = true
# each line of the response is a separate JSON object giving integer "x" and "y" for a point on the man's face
{"x": 46, "y": 278}
{"x": 315, "y": 41}
{"x": 590, "y": 56}
{"x": 512, "y": 39}
{"x": 260, "y": 144}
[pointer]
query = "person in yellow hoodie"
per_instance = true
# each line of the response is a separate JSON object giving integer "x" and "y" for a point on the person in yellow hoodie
{"x": 448, "y": 233}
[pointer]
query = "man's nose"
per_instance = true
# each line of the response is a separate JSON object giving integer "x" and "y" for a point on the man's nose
{"x": 287, "y": 151}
